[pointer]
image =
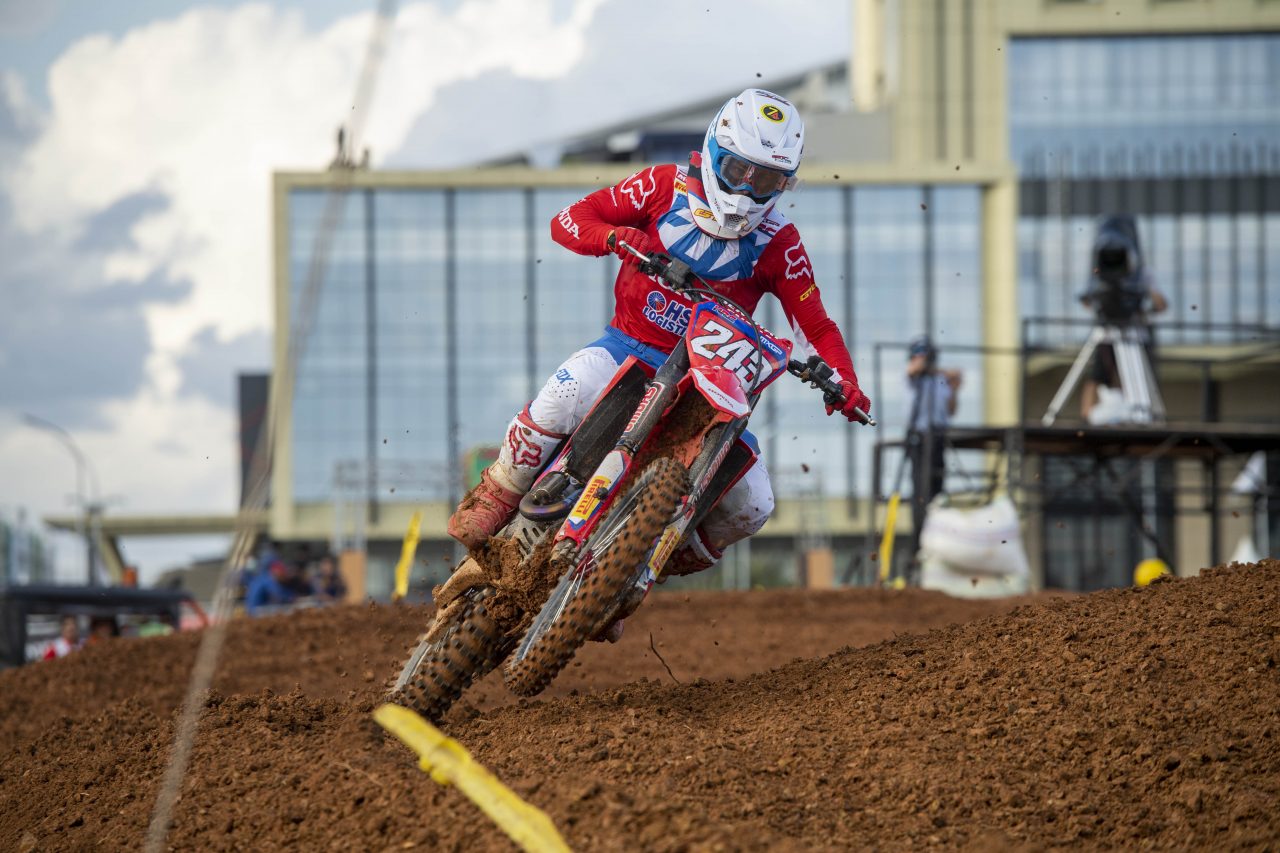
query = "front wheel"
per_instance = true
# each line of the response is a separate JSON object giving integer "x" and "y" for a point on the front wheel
{"x": 463, "y": 645}
{"x": 587, "y": 598}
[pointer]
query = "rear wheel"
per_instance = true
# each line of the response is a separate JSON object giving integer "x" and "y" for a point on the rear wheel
{"x": 588, "y": 597}
{"x": 459, "y": 650}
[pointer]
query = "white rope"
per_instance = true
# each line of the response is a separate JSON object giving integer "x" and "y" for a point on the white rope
{"x": 255, "y": 500}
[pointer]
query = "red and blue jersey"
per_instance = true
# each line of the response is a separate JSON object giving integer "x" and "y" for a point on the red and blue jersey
{"x": 664, "y": 201}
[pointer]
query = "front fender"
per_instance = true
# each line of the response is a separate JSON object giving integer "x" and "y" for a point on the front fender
{"x": 722, "y": 389}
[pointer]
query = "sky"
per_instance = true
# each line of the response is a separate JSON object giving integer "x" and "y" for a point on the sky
{"x": 137, "y": 142}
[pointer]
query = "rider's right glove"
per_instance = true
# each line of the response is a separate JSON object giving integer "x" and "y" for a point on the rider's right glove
{"x": 853, "y": 399}
{"x": 634, "y": 237}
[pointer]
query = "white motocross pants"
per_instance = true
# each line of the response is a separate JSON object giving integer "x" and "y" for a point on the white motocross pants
{"x": 561, "y": 405}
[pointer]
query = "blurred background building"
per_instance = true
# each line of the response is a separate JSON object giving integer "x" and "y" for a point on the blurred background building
{"x": 958, "y": 164}
{"x": 25, "y": 555}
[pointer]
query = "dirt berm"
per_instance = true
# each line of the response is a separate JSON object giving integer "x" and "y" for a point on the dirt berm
{"x": 1130, "y": 718}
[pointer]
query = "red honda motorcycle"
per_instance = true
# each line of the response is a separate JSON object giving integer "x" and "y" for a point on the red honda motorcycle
{"x": 653, "y": 456}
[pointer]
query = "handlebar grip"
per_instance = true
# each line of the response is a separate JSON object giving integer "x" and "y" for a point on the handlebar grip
{"x": 671, "y": 270}
{"x": 818, "y": 374}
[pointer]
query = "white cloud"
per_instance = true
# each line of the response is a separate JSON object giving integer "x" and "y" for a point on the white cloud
{"x": 676, "y": 54}
{"x": 198, "y": 110}
{"x": 201, "y": 108}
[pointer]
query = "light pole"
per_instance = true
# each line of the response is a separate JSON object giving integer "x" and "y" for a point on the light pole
{"x": 90, "y": 505}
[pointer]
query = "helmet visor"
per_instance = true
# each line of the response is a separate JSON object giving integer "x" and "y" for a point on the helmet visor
{"x": 741, "y": 175}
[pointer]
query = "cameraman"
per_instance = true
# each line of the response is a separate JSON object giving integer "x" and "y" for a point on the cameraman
{"x": 1122, "y": 292}
{"x": 932, "y": 396}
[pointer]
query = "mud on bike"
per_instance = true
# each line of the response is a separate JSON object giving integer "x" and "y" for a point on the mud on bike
{"x": 652, "y": 457}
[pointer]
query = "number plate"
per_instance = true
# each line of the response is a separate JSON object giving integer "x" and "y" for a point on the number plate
{"x": 717, "y": 338}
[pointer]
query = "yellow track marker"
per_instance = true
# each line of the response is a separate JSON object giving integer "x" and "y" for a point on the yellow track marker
{"x": 448, "y": 762}
{"x": 406, "y": 556}
{"x": 886, "y": 544}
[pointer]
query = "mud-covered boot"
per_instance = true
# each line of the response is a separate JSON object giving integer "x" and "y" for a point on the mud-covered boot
{"x": 483, "y": 512}
{"x": 490, "y": 505}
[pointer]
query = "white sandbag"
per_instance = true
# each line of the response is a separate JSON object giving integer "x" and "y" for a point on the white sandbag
{"x": 937, "y": 575}
{"x": 1246, "y": 551}
{"x": 1252, "y": 479}
{"x": 983, "y": 541}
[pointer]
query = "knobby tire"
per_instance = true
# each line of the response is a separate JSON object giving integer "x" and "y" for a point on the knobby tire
{"x": 463, "y": 651}
{"x": 547, "y": 648}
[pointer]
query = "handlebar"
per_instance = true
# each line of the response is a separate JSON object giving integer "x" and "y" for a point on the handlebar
{"x": 673, "y": 271}
{"x": 681, "y": 278}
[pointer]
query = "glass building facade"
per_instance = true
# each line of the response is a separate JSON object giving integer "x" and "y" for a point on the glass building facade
{"x": 442, "y": 309}
{"x": 1184, "y": 133}
{"x": 442, "y": 312}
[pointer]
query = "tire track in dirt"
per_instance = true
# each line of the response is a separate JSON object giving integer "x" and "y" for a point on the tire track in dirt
{"x": 1132, "y": 718}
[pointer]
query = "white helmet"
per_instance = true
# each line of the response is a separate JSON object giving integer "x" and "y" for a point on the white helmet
{"x": 751, "y": 153}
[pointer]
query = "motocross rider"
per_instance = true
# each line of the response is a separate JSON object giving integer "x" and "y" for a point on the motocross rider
{"x": 719, "y": 216}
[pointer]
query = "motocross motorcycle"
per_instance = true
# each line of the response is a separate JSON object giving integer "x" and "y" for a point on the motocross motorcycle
{"x": 650, "y": 460}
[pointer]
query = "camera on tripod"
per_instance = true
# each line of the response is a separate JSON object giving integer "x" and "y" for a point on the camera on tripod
{"x": 1118, "y": 292}
{"x": 1118, "y": 287}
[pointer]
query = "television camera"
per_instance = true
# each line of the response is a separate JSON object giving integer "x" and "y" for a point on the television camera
{"x": 1118, "y": 291}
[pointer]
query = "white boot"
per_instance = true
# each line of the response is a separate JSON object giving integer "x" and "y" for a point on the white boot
{"x": 489, "y": 506}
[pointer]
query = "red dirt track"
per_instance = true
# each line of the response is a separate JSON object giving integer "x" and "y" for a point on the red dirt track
{"x": 1130, "y": 718}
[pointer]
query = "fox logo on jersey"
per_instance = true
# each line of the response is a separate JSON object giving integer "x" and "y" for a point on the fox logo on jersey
{"x": 797, "y": 263}
{"x": 639, "y": 187}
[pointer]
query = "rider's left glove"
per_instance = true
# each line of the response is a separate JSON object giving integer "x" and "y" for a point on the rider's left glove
{"x": 634, "y": 237}
{"x": 853, "y": 399}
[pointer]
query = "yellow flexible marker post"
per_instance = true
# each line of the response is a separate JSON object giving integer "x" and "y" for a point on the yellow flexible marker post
{"x": 448, "y": 762}
{"x": 886, "y": 543}
{"x": 406, "y": 556}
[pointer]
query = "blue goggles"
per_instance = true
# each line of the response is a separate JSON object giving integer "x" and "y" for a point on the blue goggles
{"x": 740, "y": 175}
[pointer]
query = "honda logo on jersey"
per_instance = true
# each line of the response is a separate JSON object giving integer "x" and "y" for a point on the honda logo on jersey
{"x": 639, "y": 187}
{"x": 566, "y": 222}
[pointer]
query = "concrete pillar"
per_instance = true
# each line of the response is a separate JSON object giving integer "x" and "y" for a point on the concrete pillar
{"x": 1000, "y": 317}
{"x": 867, "y": 65}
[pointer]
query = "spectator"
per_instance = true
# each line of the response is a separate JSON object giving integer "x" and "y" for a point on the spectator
{"x": 243, "y": 577}
{"x": 67, "y": 642}
{"x": 932, "y": 393}
{"x": 299, "y": 579}
{"x": 102, "y": 628}
{"x": 329, "y": 585}
{"x": 160, "y": 626}
{"x": 269, "y": 589}
{"x": 269, "y": 554}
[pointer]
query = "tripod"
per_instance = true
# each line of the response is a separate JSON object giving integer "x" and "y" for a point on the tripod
{"x": 1137, "y": 378}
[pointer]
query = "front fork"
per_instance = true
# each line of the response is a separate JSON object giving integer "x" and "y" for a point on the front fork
{"x": 690, "y": 514}
{"x": 701, "y": 474}
{"x": 603, "y": 486}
